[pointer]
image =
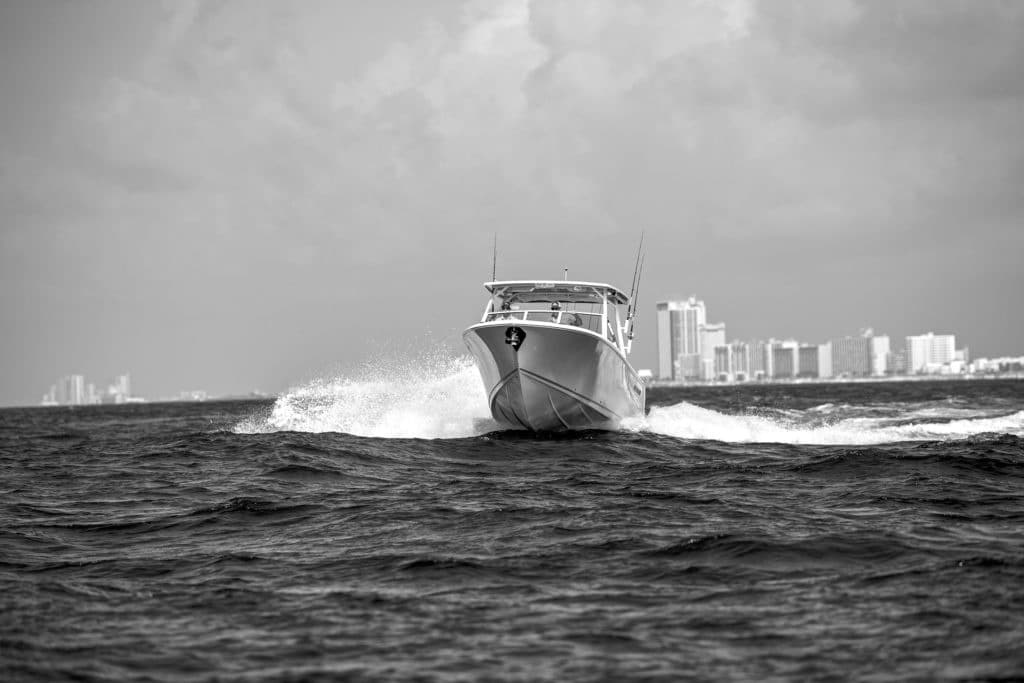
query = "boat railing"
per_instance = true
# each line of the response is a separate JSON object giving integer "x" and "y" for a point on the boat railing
{"x": 588, "y": 321}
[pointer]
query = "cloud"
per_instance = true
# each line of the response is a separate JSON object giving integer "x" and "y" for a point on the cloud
{"x": 743, "y": 118}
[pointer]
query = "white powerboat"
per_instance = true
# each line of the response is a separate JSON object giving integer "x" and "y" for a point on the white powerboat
{"x": 553, "y": 355}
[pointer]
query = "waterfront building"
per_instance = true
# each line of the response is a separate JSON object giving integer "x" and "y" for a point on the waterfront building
{"x": 851, "y": 356}
{"x": 808, "y": 360}
{"x": 929, "y": 352}
{"x": 898, "y": 362}
{"x": 723, "y": 363}
{"x": 880, "y": 353}
{"x": 761, "y": 366}
{"x": 71, "y": 390}
{"x": 678, "y": 339}
{"x": 712, "y": 335}
{"x": 739, "y": 361}
{"x": 825, "y": 360}
{"x": 785, "y": 358}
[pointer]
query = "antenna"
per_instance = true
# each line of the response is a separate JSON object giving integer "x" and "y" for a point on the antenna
{"x": 494, "y": 262}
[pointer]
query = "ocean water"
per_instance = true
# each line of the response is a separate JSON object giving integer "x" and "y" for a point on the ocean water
{"x": 376, "y": 527}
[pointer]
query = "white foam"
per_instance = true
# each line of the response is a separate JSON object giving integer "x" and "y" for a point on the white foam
{"x": 440, "y": 396}
{"x": 426, "y": 397}
{"x": 687, "y": 421}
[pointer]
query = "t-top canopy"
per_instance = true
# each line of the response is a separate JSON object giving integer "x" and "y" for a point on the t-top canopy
{"x": 536, "y": 291}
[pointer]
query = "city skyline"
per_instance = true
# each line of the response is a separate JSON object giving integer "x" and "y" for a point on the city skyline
{"x": 690, "y": 349}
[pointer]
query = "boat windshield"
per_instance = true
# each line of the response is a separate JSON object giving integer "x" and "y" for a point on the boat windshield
{"x": 587, "y": 316}
{"x": 549, "y": 292}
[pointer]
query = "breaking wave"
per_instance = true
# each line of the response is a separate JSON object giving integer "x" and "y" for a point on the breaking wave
{"x": 428, "y": 398}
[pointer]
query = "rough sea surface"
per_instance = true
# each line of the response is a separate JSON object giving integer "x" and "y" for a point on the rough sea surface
{"x": 379, "y": 529}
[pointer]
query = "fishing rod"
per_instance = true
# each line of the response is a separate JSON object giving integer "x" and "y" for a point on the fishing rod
{"x": 636, "y": 309}
{"x": 494, "y": 262}
{"x": 632, "y": 287}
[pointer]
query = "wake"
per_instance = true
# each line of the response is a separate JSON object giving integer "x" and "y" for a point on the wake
{"x": 687, "y": 421}
{"x": 442, "y": 397}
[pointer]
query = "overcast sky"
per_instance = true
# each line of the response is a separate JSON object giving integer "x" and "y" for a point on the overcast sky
{"x": 237, "y": 195}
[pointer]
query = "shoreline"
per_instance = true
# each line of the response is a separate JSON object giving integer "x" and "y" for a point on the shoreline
{"x": 836, "y": 380}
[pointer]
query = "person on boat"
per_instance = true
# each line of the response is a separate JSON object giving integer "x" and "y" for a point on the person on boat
{"x": 506, "y": 310}
{"x": 555, "y": 310}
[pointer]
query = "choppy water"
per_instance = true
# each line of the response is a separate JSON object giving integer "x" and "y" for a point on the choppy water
{"x": 376, "y": 528}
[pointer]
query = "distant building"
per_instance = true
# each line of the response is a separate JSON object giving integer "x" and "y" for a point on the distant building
{"x": 723, "y": 363}
{"x": 678, "y": 340}
{"x": 785, "y": 358}
{"x": 929, "y": 352}
{"x": 120, "y": 391}
{"x": 711, "y": 335}
{"x": 71, "y": 390}
{"x": 808, "y": 361}
{"x": 825, "y": 360}
{"x": 761, "y": 366}
{"x": 739, "y": 361}
{"x": 997, "y": 365}
{"x": 851, "y": 356}
{"x": 898, "y": 362}
{"x": 880, "y": 354}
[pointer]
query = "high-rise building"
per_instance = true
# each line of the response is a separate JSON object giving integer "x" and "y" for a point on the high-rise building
{"x": 722, "y": 369}
{"x": 124, "y": 384}
{"x": 785, "y": 358}
{"x": 71, "y": 390}
{"x": 929, "y": 352}
{"x": 761, "y": 366}
{"x": 851, "y": 356}
{"x": 898, "y": 362}
{"x": 825, "y": 359}
{"x": 808, "y": 360}
{"x": 679, "y": 349}
{"x": 712, "y": 335}
{"x": 739, "y": 361}
{"x": 880, "y": 353}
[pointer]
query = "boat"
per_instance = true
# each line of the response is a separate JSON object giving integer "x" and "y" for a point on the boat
{"x": 553, "y": 356}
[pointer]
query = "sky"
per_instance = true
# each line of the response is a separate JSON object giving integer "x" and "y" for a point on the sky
{"x": 237, "y": 195}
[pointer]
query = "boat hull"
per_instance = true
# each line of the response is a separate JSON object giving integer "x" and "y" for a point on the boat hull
{"x": 549, "y": 377}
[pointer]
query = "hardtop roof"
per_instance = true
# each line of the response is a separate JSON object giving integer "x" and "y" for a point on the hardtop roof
{"x": 534, "y": 291}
